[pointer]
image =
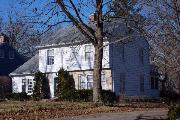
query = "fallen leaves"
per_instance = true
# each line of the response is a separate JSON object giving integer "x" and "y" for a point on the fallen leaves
{"x": 41, "y": 110}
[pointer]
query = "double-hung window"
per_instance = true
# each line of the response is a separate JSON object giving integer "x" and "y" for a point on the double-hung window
{"x": 141, "y": 83}
{"x": 30, "y": 86}
{"x": 122, "y": 83}
{"x": 2, "y": 55}
{"x": 23, "y": 85}
{"x": 50, "y": 57}
{"x": 154, "y": 82}
{"x": 122, "y": 53}
{"x": 141, "y": 56}
{"x": 82, "y": 81}
{"x": 86, "y": 81}
{"x": 11, "y": 54}
{"x": 89, "y": 81}
{"x": 88, "y": 53}
{"x": 103, "y": 81}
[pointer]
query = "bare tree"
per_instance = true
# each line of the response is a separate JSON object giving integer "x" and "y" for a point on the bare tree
{"x": 23, "y": 36}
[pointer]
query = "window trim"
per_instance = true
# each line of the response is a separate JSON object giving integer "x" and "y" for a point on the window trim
{"x": 50, "y": 58}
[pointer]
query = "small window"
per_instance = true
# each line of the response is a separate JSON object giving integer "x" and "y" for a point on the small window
{"x": 2, "y": 53}
{"x": 152, "y": 59}
{"x": 11, "y": 54}
{"x": 50, "y": 57}
{"x": 141, "y": 56}
{"x": 89, "y": 81}
{"x": 88, "y": 53}
{"x": 141, "y": 83}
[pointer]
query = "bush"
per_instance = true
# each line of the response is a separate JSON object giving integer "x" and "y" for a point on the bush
{"x": 170, "y": 96}
{"x": 174, "y": 112}
{"x": 87, "y": 96}
{"x": 19, "y": 96}
{"x": 41, "y": 87}
{"x": 83, "y": 95}
{"x": 65, "y": 85}
{"x": 108, "y": 96}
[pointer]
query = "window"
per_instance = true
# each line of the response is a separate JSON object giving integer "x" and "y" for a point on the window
{"x": 122, "y": 52}
{"x": 82, "y": 81}
{"x": 103, "y": 81}
{"x": 24, "y": 85}
{"x": 154, "y": 83}
{"x": 50, "y": 57}
{"x": 73, "y": 56}
{"x": 141, "y": 83}
{"x": 89, "y": 81}
{"x": 2, "y": 53}
{"x": 55, "y": 84}
{"x": 11, "y": 54}
{"x": 122, "y": 83}
{"x": 30, "y": 86}
{"x": 141, "y": 56}
{"x": 88, "y": 53}
{"x": 86, "y": 82}
{"x": 152, "y": 59}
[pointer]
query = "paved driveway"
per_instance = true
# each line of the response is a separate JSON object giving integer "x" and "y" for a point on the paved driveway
{"x": 137, "y": 115}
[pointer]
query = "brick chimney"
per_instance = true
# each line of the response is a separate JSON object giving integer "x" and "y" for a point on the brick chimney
{"x": 3, "y": 38}
{"x": 92, "y": 17}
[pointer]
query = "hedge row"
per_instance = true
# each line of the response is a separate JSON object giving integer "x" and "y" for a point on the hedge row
{"x": 87, "y": 96}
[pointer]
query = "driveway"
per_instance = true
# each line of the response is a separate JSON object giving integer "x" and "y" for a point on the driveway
{"x": 136, "y": 115}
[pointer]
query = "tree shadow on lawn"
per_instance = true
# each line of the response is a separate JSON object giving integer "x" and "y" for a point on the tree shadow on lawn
{"x": 146, "y": 117}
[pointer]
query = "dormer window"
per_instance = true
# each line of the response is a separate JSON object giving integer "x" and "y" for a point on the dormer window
{"x": 11, "y": 54}
{"x": 2, "y": 53}
{"x": 50, "y": 57}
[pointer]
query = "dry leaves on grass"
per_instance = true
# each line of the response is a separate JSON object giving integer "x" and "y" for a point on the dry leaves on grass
{"x": 40, "y": 110}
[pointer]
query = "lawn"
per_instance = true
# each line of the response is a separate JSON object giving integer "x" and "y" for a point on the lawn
{"x": 31, "y": 110}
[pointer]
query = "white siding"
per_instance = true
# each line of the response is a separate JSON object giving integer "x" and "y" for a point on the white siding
{"x": 62, "y": 59}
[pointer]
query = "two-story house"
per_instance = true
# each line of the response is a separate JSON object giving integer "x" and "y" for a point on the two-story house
{"x": 126, "y": 66}
{"x": 10, "y": 59}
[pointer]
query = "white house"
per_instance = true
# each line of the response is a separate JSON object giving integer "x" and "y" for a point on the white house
{"x": 126, "y": 65}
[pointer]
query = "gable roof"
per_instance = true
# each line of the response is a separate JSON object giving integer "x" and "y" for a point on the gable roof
{"x": 114, "y": 30}
{"x": 29, "y": 67}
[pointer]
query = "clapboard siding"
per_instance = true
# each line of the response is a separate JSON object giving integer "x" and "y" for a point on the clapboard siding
{"x": 62, "y": 55}
{"x": 132, "y": 68}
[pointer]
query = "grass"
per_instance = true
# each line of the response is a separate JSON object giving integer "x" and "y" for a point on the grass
{"x": 32, "y": 110}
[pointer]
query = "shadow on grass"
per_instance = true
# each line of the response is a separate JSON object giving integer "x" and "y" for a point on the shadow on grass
{"x": 146, "y": 117}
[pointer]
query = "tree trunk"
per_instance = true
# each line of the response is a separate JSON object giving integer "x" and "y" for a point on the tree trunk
{"x": 97, "y": 88}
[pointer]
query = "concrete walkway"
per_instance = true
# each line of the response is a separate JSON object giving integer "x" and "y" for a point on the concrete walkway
{"x": 136, "y": 115}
